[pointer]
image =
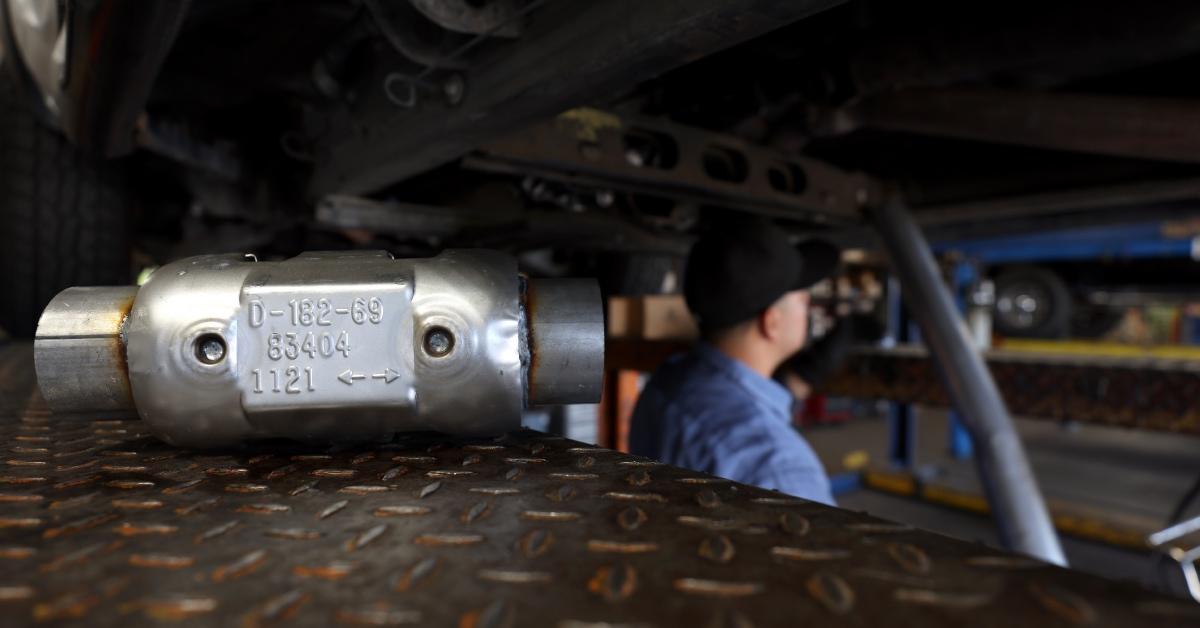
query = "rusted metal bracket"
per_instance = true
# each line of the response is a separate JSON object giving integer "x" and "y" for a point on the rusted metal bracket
{"x": 570, "y": 53}
{"x": 659, "y": 158}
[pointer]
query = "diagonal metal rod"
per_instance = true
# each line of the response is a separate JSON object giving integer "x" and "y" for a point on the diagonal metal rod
{"x": 1016, "y": 501}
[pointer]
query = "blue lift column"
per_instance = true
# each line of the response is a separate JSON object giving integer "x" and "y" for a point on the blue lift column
{"x": 958, "y": 438}
{"x": 902, "y": 432}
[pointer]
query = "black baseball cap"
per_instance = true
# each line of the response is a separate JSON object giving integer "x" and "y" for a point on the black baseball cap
{"x": 739, "y": 270}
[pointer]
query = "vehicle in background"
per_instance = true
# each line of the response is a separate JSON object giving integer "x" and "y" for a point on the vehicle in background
{"x": 1083, "y": 282}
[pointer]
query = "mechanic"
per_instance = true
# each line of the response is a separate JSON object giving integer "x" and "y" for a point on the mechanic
{"x": 716, "y": 409}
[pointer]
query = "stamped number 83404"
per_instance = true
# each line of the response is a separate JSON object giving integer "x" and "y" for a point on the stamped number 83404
{"x": 291, "y": 345}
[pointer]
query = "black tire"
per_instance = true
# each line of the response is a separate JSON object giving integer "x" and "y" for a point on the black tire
{"x": 63, "y": 217}
{"x": 1047, "y": 301}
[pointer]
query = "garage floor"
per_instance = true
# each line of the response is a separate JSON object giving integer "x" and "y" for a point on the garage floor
{"x": 1126, "y": 478}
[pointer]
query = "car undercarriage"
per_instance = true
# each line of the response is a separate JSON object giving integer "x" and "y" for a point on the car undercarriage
{"x": 277, "y": 126}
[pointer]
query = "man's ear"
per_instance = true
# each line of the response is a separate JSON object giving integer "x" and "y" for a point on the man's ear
{"x": 769, "y": 321}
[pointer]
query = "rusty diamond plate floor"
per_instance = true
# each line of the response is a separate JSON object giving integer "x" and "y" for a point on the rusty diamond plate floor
{"x": 102, "y": 525}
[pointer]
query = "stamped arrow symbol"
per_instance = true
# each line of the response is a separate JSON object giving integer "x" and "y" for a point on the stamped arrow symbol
{"x": 388, "y": 376}
{"x": 348, "y": 376}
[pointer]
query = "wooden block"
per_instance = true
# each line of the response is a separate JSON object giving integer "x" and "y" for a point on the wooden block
{"x": 666, "y": 317}
{"x": 651, "y": 317}
{"x": 622, "y": 312}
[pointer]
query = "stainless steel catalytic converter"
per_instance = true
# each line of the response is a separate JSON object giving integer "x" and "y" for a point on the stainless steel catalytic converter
{"x": 218, "y": 349}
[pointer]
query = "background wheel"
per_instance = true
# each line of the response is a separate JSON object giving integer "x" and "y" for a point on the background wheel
{"x": 1032, "y": 302}
{"x": 63, "y": 217}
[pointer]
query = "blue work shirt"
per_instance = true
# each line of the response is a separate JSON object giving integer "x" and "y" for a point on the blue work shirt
{"x": 706, "y": 411}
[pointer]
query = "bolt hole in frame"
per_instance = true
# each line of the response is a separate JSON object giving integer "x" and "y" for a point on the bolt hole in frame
{"x": 787, "y": 177}
{"x": 726, "y": 164}
{"x": 650, "y": 149}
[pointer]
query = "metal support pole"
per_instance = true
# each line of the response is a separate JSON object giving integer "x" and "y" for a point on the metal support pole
{"x": 1016, "y": 501}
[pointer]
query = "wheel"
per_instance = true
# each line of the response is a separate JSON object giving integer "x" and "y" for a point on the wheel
{"x": 1032, "y": 302}
{"x": 63, "y": 217}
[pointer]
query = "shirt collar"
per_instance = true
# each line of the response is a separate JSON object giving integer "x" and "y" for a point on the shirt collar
{"x": 769, "y": 391}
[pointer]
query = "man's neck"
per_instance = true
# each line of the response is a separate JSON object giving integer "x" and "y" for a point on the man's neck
{"x": 761, "y": 362}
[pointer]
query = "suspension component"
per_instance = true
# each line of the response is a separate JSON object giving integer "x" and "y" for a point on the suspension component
{"x": 219, "y": 349}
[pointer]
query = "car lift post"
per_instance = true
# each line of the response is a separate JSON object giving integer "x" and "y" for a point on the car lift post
{"x": 964, "y": 277}
{"x": 1013, "y": 494}
{"x": 902, "y": 426}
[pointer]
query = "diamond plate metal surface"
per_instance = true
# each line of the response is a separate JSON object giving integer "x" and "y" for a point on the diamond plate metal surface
{"x": 102, "y": 525}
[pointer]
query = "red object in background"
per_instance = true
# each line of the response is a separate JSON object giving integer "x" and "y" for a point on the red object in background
{"x": 815, "y": 411}
{"x": 616, "y": 409}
